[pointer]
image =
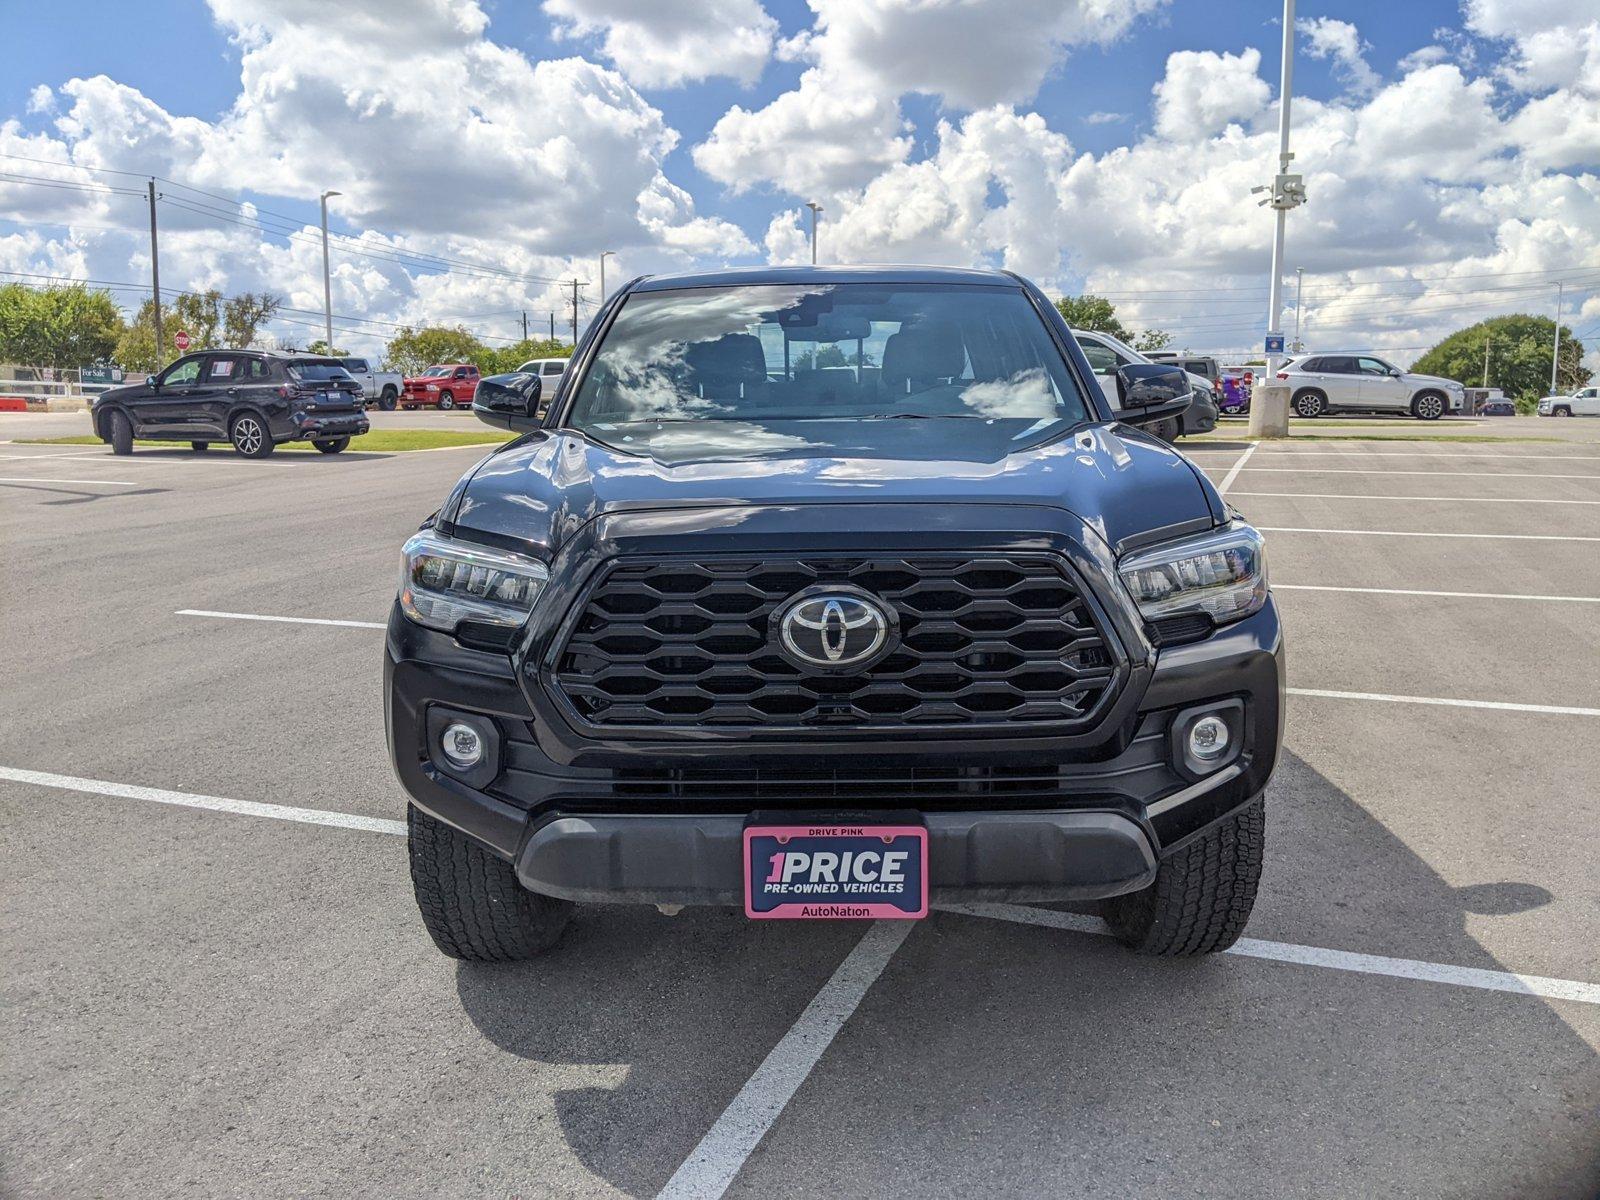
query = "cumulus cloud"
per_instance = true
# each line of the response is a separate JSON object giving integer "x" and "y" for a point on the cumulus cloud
{"x": 1341, "y": 43}
{"x": 668, "y": 45}
{"x": 1204, "y": 91}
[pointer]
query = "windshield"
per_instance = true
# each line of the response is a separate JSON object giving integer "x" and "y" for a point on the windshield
{"x": 436, "y": 372}
{"x": 783, "y": 352}
{"x": 318, "y": 372}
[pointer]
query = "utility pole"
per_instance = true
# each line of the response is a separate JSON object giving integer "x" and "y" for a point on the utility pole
{"x": 574, "y": 312}
{"x": 1270, "y": 418}
{"x": 552, "y": 327}
{"x": 327, "y": 283}
{"x": 524, "y": 324}
{"x": 1555, "y": 354}
{"x": 155, "y": 279}
{"x": 603, "y": 255}
{"x": 1487, "y": 342}
{"x": 815, "y": 209}
{"x": 1299, "y": 288}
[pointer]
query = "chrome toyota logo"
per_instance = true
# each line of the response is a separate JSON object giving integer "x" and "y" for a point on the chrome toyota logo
{"x": 834, "y": 629}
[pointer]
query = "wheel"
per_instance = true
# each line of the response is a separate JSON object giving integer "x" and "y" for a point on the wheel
{"x": 330, "y": 445}
{"x": 447, "y": 401}
{"x": 121, "y": 433}
{"x": 388, "y": 399}
{"x": 471, "y": 902}
{"x": 199, "y": 447}
{"x": 1428, "y": 407}
{"x": 1310, "y": 404}
{"x": 250, "y": 436}
{"x": 1554, "y": 412}
{"x": 1202, "y": 895}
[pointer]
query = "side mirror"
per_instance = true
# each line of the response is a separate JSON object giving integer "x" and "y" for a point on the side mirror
{"x": 508, "y": 402}
{"x": 153, "y": 382}
{"x": 1150, "y": 392}
{"x": 1395, "y": 372}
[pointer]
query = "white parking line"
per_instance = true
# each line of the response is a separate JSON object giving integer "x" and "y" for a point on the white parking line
{"x": 714, "y": 1163}
{"x": 246, "y": 808}
{"x": 1511, "y": 537}
{"x": 42, "y": 479}
{"x": 234, "y": 616}
{"x": 1372, "y": 591}
{"x": 1451, "y": 499}
{"x": 1318, "y": 956}
{"x": 1558, "y": 710}
{"x": 1353, "y": 453}
{"x": 1227, "y": 480}
{"x": 1386, "y": 471}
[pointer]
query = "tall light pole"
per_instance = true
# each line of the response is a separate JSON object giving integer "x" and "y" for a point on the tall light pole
{"x": 1270, "y": 418}
{"x": 327, "y": 283}
{"x": 815, "y": 209}
{"x": 604, "y": 254}
{"x": 1555, "y": 354}
{"x": 1299, "y": 289}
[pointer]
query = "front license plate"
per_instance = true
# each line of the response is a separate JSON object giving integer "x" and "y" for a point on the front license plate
{"x": 835, "y": 872}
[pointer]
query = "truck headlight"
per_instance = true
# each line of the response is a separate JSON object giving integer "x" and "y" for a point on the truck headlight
{"x": 444, "y": 582}
{"x": 1222, "y": 574}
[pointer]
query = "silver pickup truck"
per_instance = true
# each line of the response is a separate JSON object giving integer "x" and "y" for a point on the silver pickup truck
{"x": 377, "y": 386}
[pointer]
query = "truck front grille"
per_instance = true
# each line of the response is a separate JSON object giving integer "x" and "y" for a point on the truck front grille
{"x": 985, "y": 641}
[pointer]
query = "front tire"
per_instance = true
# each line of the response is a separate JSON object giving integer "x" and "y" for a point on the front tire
{"x": 121, "y": 434}
{"x": 471, "y": 903}
{"x": 1310, "y": 404}
{"x": 1428, "y": 407}
{"x": 1202, "y": 895}
{"x": 250, "y": 437}
{"x": 1560, "y": 412}
{"x": 447, "y": 401}
{"x": 331, "y": 445}
{"x": 388, "y": 399}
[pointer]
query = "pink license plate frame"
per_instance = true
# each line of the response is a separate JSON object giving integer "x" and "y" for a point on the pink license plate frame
{"x": 837, "y": 839}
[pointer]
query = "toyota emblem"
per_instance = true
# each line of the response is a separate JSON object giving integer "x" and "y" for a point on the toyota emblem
{"x": 835, "y": 629}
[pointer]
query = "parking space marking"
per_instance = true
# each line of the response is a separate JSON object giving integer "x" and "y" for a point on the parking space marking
{"x": 246, "y": 808}
{"x": 1227, "y": 480}
{"x": 713, "y": 1164}
{"x": 1387, "y": 471}
{"x": 1557, "y": 710}
{"x": 1510, "y": 537}
{"x": 1319, "y": 956}
{"x": 42, "y": 479}
{"x": 1354, "y": 453}
{"x": 1451, "y": 499}
{"x": 234, "y": 616}
{"x": 1373, "y": 591}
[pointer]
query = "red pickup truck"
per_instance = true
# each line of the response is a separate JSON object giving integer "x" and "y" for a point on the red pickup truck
{"x": 447, "y": 385}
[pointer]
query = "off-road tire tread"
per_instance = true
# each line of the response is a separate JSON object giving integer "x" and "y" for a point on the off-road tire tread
{"x": 1202, "y": 895}
{"x": 471, "y": 902}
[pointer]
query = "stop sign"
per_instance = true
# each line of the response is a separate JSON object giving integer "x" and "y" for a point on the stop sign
{"x": 181, "y": 340}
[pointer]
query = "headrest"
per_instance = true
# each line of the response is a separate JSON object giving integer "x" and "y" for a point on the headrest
{"x": 731, "y": 358}
{"x": 922, "y": 352}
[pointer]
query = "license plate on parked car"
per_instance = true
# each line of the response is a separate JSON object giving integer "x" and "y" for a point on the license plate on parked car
{"x": 322, "y": 397}
{"x": 834, "y": 872}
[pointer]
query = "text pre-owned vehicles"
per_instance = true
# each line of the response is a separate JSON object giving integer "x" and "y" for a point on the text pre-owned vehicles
{"x": 1327, "y": 383}
{"x": 1107, "y": 354}
{"x": 253, "y": 398}
{"x": 1585, "y": 402}
{"x": 549, "y": 371}
{"x": 378, "y": 386}
{"x": 730, "y": 628}
{"x": 446, "y": 385}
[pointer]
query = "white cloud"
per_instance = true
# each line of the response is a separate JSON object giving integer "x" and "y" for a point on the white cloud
{"x": 1204, "y": 91}
{"x": 1340, "y": 42}
{"x": 41, "y": 99}
{"x": 668, "y": 45}
{"x": 1105, "y": 118}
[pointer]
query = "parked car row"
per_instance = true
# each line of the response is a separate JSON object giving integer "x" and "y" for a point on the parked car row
{"x": 1106, "y": 354}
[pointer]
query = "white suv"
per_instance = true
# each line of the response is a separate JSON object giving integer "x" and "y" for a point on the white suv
{"x": 1583, "y": 403}
{"x": 549, "y": 371}
{"x": 1325, "y": 383}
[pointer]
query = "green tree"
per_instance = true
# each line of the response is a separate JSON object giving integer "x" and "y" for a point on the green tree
{"x": 57, "y": 326}
{"x": 1093, "y": 313}
{"x": 509, "y": 358}
{"x": 321, "y": 347}
{"x": 1152, "y": 339}
{"x": 411, "y": 350}
{"x": 1519, "y": 357}
{"x": 244, "y": 315}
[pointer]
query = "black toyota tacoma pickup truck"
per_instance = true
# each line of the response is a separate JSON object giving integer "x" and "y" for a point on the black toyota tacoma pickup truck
{"x": 834, "y": 593}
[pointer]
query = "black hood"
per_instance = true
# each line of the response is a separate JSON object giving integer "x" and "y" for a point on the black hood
{"x": 540, "y": 490}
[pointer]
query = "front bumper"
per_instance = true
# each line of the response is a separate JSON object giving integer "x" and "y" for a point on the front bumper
{"x": 1016, "y": 821}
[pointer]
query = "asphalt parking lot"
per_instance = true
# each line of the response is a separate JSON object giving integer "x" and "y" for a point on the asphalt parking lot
{"x": 217, "y": 983}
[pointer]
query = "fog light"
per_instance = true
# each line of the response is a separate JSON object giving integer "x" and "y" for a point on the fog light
{"x": 462, "y": 746}
{"x": 1208, "y": 738}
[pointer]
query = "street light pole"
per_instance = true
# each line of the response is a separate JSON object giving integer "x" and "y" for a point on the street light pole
{"x": 1555, "y": 354}
{"x": 327, "y": 282}
{"x": 1270, "y": 417}
{"x": 604, "y": 254}
{"x": 815, "y": 209}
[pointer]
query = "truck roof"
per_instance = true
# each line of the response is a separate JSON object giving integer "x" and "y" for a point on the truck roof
{"x": 800, "y": 275}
